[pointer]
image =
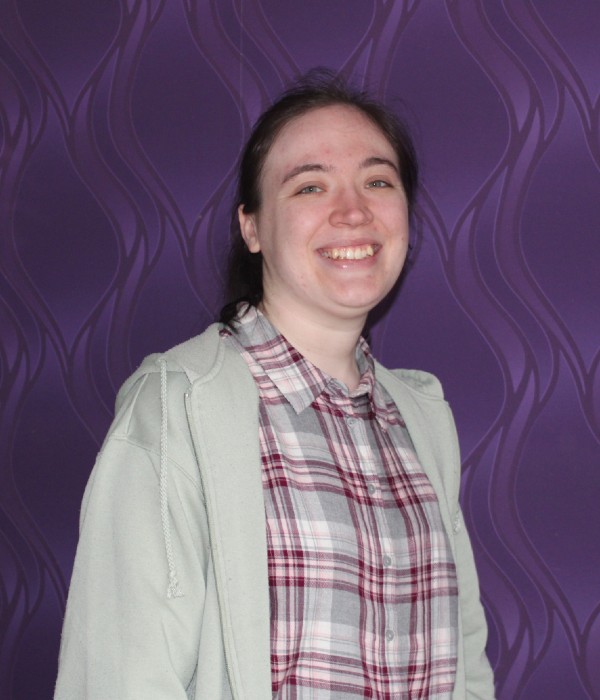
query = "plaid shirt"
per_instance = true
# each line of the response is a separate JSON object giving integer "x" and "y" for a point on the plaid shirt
{"x": 362, "y": 581}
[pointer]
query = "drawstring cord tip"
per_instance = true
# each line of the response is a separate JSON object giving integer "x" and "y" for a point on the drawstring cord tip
{"x": 174, "y": 589}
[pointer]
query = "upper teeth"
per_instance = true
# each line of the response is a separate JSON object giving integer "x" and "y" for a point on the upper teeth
{"x": 356, "y": 253}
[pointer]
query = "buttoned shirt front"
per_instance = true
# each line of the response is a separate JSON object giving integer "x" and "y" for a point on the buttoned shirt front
{"x": 362, "y": 583}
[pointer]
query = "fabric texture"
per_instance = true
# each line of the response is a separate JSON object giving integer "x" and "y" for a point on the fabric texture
{"x": 123, "y": 637}
{"x": 362, "y": 583}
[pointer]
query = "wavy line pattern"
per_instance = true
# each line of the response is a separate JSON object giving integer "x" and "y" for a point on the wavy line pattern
{"x": 120, "y": 126}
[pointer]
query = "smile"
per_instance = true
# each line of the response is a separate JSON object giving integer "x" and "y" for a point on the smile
{"x": 349, "y": 253}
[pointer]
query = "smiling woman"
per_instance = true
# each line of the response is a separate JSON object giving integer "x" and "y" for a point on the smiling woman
{"x": 297, "y": 501}
{"x": 332, "y": 229}
{"x": 318, "y": 90}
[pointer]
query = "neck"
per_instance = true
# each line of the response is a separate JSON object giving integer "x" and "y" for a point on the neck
{"x": 329, "y": 346}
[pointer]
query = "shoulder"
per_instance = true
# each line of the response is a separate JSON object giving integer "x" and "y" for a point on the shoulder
{"x": 197, "y": 361}
{"x": 415, "y": 380}
{"x": 138, "y": 401}
{"x": 191, "y": 359}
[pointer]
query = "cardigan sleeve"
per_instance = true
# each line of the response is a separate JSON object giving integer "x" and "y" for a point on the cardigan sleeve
{"x": 123, "y": 638}
{"x": 479, "y": 679}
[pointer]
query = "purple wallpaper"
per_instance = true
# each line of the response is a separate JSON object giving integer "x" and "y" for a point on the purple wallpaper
{"x": 120, "y": 125}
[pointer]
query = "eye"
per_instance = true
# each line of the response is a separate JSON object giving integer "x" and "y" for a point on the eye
{"x": 310, "y": 189}
{"x": 375, "y": 184}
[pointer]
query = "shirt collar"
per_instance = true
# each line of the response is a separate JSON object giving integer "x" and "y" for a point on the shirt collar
{"x": 295, "y": 377}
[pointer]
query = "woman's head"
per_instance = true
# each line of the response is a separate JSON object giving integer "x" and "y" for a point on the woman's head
{"x": 319, "y": 89}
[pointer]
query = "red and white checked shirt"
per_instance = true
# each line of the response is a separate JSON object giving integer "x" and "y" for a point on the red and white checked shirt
{"x": 362, "y": 581}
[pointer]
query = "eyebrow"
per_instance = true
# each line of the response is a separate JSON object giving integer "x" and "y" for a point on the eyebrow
{"x": 305, "y": 168}
{"x": 319, "y": 167}
{"x": 377, "y": 160}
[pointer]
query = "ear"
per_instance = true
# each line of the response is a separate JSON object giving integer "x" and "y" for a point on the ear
{"x": 248, "y": 228}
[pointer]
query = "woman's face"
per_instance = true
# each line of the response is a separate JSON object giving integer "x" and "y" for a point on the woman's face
{"x": 333, "y": 222}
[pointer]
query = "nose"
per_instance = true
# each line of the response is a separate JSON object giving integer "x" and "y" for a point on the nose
{"x": 350, "y": 209}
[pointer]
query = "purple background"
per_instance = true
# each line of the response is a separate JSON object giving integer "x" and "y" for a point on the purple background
{"x": 120, "y": 125}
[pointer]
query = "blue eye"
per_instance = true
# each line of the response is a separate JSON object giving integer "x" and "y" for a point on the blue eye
{"x": 310, "y": 189}
{"x": 379, "y": 183}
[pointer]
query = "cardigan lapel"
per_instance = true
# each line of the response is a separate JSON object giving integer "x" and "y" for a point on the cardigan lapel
{"x": 229, "y": 459}
{"x": 431, "y": 429}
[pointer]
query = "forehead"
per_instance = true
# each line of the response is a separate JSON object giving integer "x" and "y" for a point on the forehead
{"x": 333, "y": 131}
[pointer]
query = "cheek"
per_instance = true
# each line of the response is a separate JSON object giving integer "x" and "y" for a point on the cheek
{"x": 396, "y": 209}
{"x": 399, "y": 219}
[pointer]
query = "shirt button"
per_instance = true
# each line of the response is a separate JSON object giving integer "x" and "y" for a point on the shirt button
{"x": 372, "y": 488}
{"x": 389, "y": 635}
{"x": 352, "y": 422}
{"x": 387, "y": 560}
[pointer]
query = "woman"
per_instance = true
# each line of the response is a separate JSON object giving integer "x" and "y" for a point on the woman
{"x": 274, "y": 514}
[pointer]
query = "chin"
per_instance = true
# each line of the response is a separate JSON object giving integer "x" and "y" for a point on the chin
{"x": 351, "y": 308}
{"x": 362, "y": 301}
